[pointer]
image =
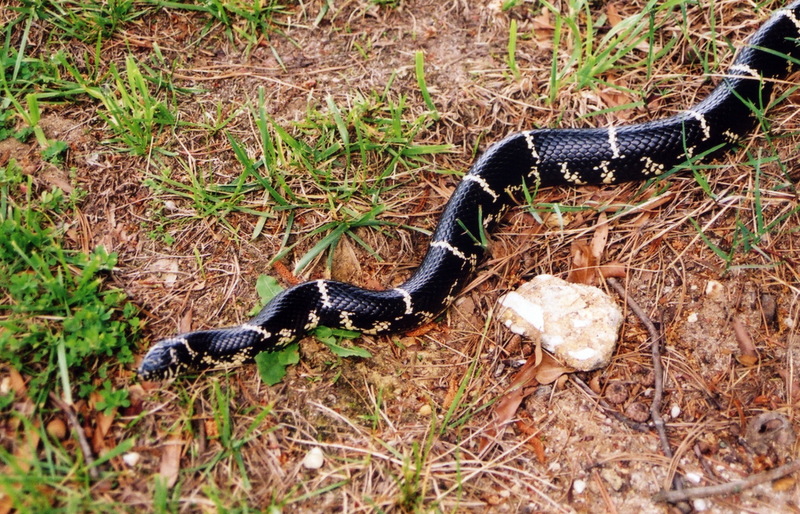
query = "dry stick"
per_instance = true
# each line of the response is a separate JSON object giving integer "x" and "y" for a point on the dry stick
{"x": 88, "y": 456}
{"x": 730, "y": 487}
{"x": 658, "y": 369}
{"x": 658, "y": 372}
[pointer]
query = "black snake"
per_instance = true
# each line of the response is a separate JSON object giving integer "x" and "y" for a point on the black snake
{"x": 539, "y": 157}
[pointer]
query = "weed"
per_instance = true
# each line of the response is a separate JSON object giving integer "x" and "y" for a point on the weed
{"x": 57, "y": 316}
{"x": 590, "y": 58}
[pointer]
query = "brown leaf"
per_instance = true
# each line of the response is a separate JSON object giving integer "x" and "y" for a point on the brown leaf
{"x": 550, "y": 370}
{"x": 185, "y": 323}
{"x": 212, "y": 430}
{"x": 594, "y": 384}
{"x": 171, "y": 461}
{"x": 600, "y": 237}
{"x": 25, "y": 452}
{"x": 6, "y": 504}
{"x": 526, "y": 376}
{"x": 748, "y": 355}
{"x": 613, "y": 269}
{"x": 783, "y": 484}
{"x": 582, "y": 264}
{"x": 345, "y": 266}
{"x": 537, "y": 446}
{"x": 504, "y": 410}
{"x": 14, "y": 382}
{"x": 613, "y": 15}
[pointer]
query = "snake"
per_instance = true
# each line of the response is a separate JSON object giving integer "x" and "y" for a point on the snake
{"x": 534, "y": 158}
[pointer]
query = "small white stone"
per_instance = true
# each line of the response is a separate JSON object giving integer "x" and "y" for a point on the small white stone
{"x": 700, "y": 505}
{"x": 693, "y": 477}
{"x": 675, "y": 411}
{"x": 692, "y": 318}
{"x": 314, "y": 458}
{"x": 131, "y": 458}
{"x": 579, "y": 486}
{"x": 715, "y": 290}
{"x": 170, "y": 206}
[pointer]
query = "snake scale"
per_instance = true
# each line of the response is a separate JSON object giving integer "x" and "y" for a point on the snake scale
{"x": 543, "y": 157}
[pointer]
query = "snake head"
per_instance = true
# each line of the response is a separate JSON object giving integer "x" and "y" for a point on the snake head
{"x": 166, "y": 359}
{"x": 196, "y": 351}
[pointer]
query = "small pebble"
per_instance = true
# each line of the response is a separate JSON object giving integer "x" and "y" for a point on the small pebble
{"x": 579, "y": 486}
{"x": 638, "y": 411}
{"x": 693, "y": 477}
{"x": 131, "y": 458}
{"x": 700, "y": 505}
{"x": 314, "y": 458}
{"x": 692, "y": 318}
{"x": 425, "y": 410}
{"x": 675, "y": 411}
{"x": 57, "y": 429}
{"x": 616, "y": 393}
{"x": 715, "y": 290}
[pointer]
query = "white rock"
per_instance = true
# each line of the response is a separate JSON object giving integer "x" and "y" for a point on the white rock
{"x": 715, "y": 290}
{"x": 693, "y": 477}
{"x": 579, "y": 486}
{"x": 131, "y": 458}
{"x": 579, "y": 324}
{"x": 314, "y": 458}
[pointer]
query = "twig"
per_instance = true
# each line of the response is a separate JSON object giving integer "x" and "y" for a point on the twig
{"x": 734, "y": 487}
{"x": 658, "y": 372}
{"x": 88, "y": 456}
{"x": 658, "y": 369}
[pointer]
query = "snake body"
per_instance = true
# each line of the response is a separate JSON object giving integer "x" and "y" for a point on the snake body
{"x": 544, "y": 157}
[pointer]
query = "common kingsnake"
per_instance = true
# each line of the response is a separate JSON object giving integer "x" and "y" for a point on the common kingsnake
{"x": 540, "y": 158}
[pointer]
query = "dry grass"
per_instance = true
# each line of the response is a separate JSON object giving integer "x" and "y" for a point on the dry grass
{"x": 400, "y": 431}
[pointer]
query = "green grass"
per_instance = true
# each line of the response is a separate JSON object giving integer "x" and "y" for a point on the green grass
{"x": 594, "y": 53}
{"x": 58, "y": 316}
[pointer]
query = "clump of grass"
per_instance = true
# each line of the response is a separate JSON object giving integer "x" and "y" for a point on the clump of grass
{"x": 58, "y": 320}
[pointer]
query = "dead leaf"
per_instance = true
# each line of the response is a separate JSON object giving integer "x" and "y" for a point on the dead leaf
{"x": 550, "y": 370}
{"x": 526, "y": 376}
{"x": 600, "y": 237}
{"x": 582, "y": 271}
{"x": 537, "y": 446}
{"x": 594, "y": 384}
{"x": 212, "y": 430}
{"x": 614, "y": 269}
{"x": 748, "y": 356}
{"x": 167, "y": 270}
{"x": 185, "y": 323}
{"x": 345, "y": 266}
{"x": 25, "y": 452}
{"x": 504, "y": 411}
{"x": 12, "y": 381}
{"x": 6, "y": 503}
{"x": 783, "y": 484}
{"x": 613, "y": 15}
{"x": 171, "y": 461}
